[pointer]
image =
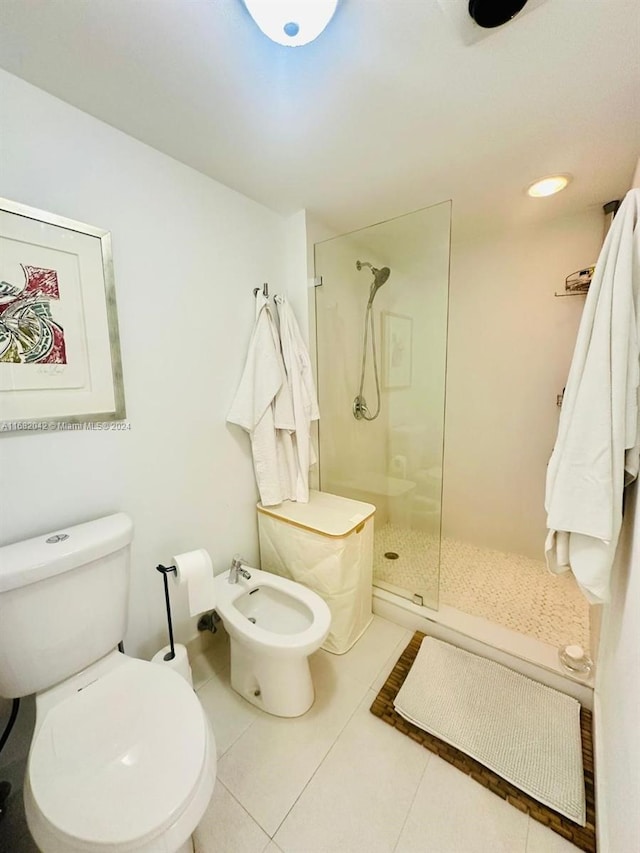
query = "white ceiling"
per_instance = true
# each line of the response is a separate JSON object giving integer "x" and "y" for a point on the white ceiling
{"x": 388, "y": 111}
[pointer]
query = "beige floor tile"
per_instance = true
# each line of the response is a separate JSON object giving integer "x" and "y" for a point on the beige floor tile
{"x": 229, "y": 714}
{"x": 358, "y": 799}
{"x": 453, "y": 814}
{"x": 363, "y": 661}
{"x": 227, "y": 828}
{"x": 270, "y": 764}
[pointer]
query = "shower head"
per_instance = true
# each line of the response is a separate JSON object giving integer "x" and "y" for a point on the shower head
{"x": 380, "y": 276}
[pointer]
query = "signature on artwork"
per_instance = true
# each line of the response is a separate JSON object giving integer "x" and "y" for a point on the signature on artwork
{"x": 52, "y": 369}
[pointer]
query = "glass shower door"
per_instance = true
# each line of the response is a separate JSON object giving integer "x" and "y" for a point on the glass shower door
{"x": 381, "y": 336}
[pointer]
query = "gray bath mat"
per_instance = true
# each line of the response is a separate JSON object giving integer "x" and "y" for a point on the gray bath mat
{"x": 525, "y": 732}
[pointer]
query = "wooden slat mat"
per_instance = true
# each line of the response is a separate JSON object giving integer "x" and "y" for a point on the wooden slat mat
{"x": 583, "y": 837}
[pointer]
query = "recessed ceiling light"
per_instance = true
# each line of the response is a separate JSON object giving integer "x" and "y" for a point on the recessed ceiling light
{"x": 548, "y": 186}
{"x": 291, "y": 22}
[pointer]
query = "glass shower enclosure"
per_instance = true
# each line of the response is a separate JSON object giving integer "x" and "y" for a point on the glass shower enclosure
{"x": 381, "y": 340}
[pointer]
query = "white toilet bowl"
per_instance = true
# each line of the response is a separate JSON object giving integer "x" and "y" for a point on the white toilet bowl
{"x": 274, "y": 624}
{"x": 122, "y": 760}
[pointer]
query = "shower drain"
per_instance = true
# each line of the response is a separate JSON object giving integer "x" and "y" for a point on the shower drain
{"x": 391, "y": 555}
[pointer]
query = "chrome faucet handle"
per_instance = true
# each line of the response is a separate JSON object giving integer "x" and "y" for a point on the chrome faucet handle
{"x": 236, "y": 569}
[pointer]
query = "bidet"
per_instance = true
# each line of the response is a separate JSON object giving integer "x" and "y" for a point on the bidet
{"x": 274, "y": 624}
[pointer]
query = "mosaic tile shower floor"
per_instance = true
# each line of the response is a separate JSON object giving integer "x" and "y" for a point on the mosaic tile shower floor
{"x": 509, "y": 589}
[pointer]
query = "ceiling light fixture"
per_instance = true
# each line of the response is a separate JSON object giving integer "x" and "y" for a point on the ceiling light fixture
{"x": 494, "y": 13}
{"x": 291, "y": 22}
{"x": 548, "y": 186}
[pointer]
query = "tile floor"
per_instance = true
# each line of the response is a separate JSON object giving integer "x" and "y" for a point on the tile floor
{"x": 336, "y": 780}
{"x": 509, "y": 589}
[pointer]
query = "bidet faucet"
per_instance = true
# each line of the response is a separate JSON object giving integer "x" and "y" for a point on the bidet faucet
{"x": 237, "y": 569}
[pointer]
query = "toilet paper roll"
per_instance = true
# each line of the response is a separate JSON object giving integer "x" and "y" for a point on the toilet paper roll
{"x": 179, "y": 664}
{"x": 194, "y": 570}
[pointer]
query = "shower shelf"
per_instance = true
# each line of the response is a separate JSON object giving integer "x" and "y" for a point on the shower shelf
{"x": 577, "y": 284}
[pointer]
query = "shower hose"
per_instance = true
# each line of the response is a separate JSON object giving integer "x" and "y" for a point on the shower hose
{"x": 360, "y": 408}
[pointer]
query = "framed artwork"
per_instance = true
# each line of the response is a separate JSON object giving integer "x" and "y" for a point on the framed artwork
{"x": 59, "y": 345}
{"x": 396, "y": 350}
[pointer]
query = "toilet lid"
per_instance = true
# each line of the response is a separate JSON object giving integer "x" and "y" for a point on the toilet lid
{"x": 118, "y": 760}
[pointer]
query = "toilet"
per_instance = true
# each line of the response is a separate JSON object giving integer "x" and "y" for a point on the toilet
{"x": 122, "y": 757}
{"x": 274, "y": 624}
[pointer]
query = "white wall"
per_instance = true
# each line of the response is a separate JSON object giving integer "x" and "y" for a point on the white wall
{"x": 296, "y": 276}
{"x": 509, "y": 350}
{"x": 187, "y": 254}
{"x": 617, "y": 694}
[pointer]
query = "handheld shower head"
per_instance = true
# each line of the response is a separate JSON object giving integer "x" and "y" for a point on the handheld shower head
{"x": 380, "y": 276}
{"x": 360, "y": 409}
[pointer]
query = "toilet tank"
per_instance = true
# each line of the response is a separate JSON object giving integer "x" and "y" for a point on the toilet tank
{"x": 63, "y": 602}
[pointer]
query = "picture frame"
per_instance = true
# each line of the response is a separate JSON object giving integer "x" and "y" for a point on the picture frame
{"x": 60, "y": 359}
{"x": 397, "y": 341}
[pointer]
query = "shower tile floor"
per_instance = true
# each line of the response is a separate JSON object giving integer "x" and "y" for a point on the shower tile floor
{"x": 508, "y": 589}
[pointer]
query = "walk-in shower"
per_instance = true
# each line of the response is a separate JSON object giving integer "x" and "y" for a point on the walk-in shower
{"x": 386, "y": 446}
{"x": 434, "y": 554}
{"x": 360, "y": 408}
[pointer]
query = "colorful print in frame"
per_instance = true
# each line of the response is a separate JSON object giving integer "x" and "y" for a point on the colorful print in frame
{"x": 59, "y": 345}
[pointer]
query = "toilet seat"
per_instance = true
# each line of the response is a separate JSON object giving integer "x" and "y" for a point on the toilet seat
{"x": 116, "y": 764}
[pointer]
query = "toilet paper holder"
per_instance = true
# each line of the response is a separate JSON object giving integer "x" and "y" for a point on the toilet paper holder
{"x": 164, "y": 570}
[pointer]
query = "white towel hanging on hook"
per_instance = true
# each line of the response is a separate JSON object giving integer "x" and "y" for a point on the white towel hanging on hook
{"x": 263, "y": 407}
{"x": 303, "y": 395}
{"x": 597, "y": 448}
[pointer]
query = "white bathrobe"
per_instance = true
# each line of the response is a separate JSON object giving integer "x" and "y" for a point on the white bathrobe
{"x": 597, "y": 448}
{"x": 303, "y": 394}
{"x": 263, "y": 407}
